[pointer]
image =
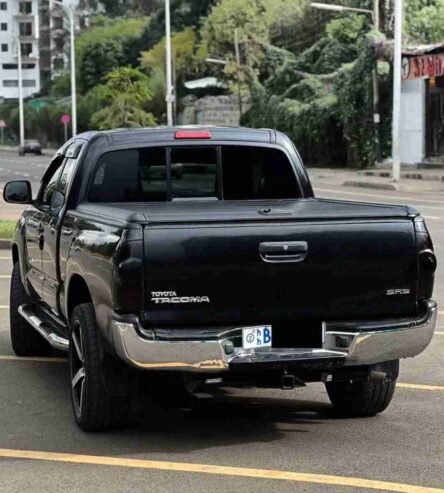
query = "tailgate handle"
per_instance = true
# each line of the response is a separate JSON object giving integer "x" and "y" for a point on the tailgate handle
{"x": 284, "y": 251}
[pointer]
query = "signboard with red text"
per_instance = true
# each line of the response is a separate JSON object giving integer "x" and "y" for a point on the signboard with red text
{"x": 421, "y": 67}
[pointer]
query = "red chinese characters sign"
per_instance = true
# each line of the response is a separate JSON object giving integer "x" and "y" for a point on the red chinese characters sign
{"x": 424, "y": 66}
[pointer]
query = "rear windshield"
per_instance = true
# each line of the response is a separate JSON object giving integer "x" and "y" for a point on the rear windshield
{"x": 159, "y": 174}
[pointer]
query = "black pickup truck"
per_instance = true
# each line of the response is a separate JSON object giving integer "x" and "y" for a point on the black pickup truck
{"x": 203, "y": 251}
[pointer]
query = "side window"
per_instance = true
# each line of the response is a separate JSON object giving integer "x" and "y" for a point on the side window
{"x": 50, "y": 188}
{"x": 53, "y": 195}
{"x": 67, "y": 173}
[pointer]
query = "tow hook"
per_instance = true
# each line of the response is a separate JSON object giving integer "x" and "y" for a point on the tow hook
{"x": 289, "y": 382}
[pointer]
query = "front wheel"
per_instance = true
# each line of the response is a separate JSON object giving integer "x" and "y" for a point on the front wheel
{"x": 360, "y": 399}
{"x": 24, "y": 338}
{"x": 94, "y": 408}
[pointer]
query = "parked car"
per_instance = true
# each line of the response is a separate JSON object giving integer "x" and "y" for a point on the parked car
{"x": 30, "y": 146}
{"x": 238, "y": 276}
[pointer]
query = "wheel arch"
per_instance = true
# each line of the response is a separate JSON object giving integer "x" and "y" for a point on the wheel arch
{"x": 15, "y": 253}
{"x": 78, "y": 293}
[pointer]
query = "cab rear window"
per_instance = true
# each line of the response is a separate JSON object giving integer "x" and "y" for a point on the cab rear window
{"x": 159, "y": 174}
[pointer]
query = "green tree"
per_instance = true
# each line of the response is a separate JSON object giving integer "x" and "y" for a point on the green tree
{"x": 108, "y": 44}
{"x": 424, "y": 21}
{"x": 123, "y": 97}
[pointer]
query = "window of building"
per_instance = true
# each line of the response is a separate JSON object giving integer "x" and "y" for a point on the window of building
{"x": 10, "y": 83}
{"x": 3, "y": 26}
{"x": 28, "y": 83}
{"x": 3, "y": 6}
{"x": 58, "y": 23}
{"x": 59, "y": 63}
{"x": 26, "y": 49}
{"x": 25, "y": 7}
{"x": 14, "y": 66}
{"x": 4, "y": 47}
{"x": 25, "y": 28}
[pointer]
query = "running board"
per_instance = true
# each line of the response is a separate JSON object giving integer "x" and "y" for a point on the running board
{"x": 56, "y": 341}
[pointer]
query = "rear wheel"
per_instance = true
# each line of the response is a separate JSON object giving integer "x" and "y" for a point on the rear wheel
{"x": 25, "y": 340}
{"x": 360, "y": 399}
{"x": 94, "y": 408}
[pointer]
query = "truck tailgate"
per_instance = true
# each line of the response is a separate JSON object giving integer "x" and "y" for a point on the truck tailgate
{"x": 291, "y": 267}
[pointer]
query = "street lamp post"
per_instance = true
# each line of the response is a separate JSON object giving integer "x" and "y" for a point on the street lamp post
{"x": 375, "y": 19}
{"x": 20, "y": 90}
{"x": 169, "y": 84}
{"x": 70, "y": 13}
{"x": 396, "y": 122}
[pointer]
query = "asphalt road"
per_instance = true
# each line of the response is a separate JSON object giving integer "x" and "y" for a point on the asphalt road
{"x": 247, "y": 441}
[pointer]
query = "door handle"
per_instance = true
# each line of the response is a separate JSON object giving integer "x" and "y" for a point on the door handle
{"x": 67, "y": 231}
{"x": 283, "y": 251}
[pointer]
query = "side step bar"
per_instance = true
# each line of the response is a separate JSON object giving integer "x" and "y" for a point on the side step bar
{"x": 56, "y": 341}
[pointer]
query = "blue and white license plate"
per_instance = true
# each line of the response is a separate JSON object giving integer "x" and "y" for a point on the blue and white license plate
{"x": 256, "y": 337}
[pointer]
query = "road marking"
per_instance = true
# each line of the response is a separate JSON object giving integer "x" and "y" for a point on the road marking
{"x": 5, "y": 258}
{"x": 4, "y": 307}
{"x": 37, "y": 359}
{"x": 5, "y": 276}
{"x": 420, "y": 387}
{"x": 218, "y": 470}
{"x": 379, "y": 196}
{"x": 441, "y": 312}
{"x": 432, "y": 217}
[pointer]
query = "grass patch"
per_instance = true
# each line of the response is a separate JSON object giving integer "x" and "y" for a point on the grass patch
{"x": 7, "y": 229}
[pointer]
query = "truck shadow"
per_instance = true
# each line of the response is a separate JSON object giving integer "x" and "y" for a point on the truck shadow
{"x": 39, "y": 411}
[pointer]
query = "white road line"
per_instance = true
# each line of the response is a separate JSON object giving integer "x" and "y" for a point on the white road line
{"x": 432, "y": 217}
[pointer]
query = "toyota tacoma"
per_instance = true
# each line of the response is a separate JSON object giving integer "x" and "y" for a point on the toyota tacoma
{"x": 229, "y": 273}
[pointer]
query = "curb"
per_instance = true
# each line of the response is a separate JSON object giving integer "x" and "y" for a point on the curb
{"x": 368, "y": 184}
{"x": 4, "y": 243}
{"x": 408, "y": 175}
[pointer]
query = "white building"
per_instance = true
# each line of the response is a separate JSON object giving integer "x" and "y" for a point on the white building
{"x": 422, "y": 105}
{"x": 19, "y": 18}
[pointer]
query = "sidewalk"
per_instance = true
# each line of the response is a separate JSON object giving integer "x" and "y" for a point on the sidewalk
{"x": 411, "y": 180}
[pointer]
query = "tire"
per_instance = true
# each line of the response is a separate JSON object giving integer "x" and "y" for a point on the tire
{"x": 24, "y": 338}
{"x": 362, "y": 399}
{"x": 93, "y": 407}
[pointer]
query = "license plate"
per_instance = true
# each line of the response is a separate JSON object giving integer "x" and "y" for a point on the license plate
{"x": 256, "y": 337}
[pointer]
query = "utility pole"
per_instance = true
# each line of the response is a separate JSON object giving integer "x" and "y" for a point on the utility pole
{"x": 69, "y": 11}
{"x": 396, "y": 121}
{"x": 20, "y": 90}
{"x": 376, "y": 115}
{"x": 169, "y": 85}
{"x": 238, "y": 65}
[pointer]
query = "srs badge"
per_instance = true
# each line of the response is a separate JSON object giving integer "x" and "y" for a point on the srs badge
{"x": 160, "y": 297}
{"x": 393, "y": 292}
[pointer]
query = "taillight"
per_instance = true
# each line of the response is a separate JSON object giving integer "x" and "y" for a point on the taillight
{"x": 426, "y": 260}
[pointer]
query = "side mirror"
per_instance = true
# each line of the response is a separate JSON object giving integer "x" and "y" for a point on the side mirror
{"x": 18, "y": 192}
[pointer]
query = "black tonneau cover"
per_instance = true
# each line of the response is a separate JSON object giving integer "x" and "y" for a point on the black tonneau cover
{"x": 229, "y": 211}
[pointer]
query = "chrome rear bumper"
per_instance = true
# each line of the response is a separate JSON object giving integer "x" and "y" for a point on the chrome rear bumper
{"x": 212, "y": 350}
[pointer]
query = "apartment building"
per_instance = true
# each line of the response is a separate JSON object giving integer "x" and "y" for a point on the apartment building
{"x": 19, "y": 18}
{"x": 54, "y": 36}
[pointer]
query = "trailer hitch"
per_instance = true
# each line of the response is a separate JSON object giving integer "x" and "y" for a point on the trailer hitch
{"x": 289, "y": 381}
